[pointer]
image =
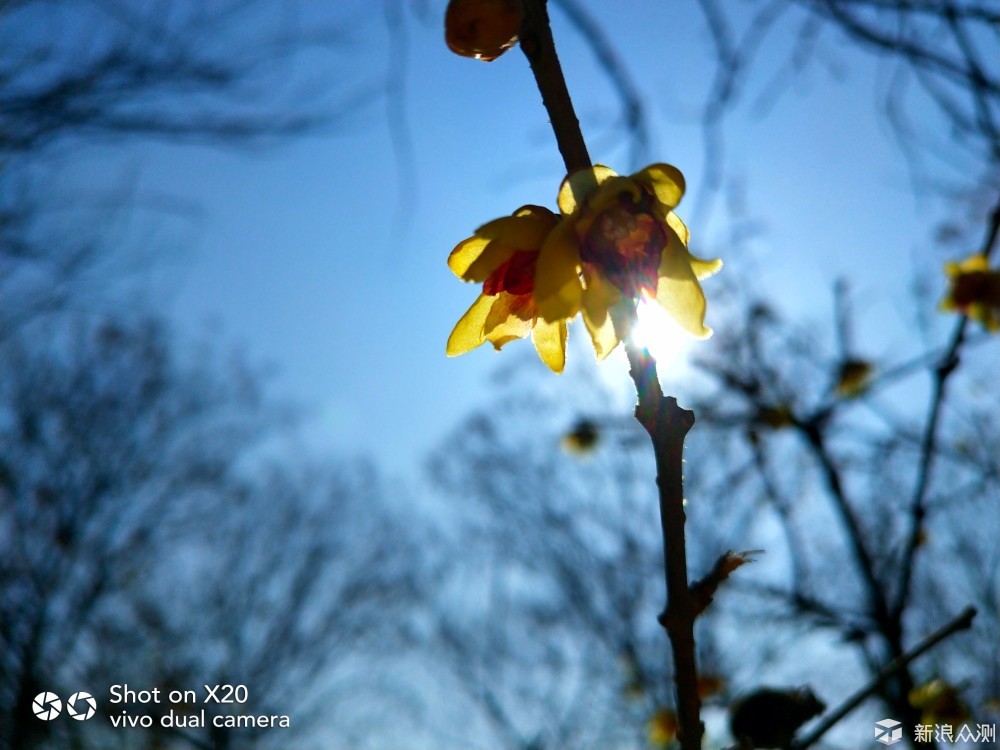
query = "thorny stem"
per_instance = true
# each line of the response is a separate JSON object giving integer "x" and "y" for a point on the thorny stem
{"x": 665, "y": 421}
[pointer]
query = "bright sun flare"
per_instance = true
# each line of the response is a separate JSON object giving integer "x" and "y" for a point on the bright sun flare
{"x": 659, "y": 334}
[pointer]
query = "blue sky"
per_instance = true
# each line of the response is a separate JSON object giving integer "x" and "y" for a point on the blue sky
{"x": 294, "y": 252}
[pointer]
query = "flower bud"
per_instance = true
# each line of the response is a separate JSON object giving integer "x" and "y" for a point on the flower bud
{"x": 482, "y": 29}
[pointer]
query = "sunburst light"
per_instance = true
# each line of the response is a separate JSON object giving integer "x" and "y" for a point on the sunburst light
{"x": 659, "y": 334}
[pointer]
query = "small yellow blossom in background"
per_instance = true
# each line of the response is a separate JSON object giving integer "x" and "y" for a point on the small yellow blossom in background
{"x": 618, "y": 241}
{"x": 482, "y": 29}
{"x": 939, "y": 703}
{"x": 776, "y": 417}
{"x": 974, "y": 290}
{"x": 709, "y": 685}
{"x": 634, "y": 683}
{"x": 662, "y": 728}
{"x": 502, "y": 255}
{"x": 583, "y": 437}
{"x": 853, "y": 377}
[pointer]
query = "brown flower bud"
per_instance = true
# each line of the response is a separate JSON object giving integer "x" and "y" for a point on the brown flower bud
{"x": 482, "y": 29}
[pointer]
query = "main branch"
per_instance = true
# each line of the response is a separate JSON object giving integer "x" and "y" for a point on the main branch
{"x": 668, "y": 424}
{"x": 540, "y": 49}
{"x": 665, "y": 421}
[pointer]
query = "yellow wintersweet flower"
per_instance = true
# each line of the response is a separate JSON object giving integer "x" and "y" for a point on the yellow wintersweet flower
{"x": 974, "y": 291}
{"x": 619, "y": 240}
{"x": 939, "y": 703}
{"x": 502, "y": 255}
{"x": 583, "y": 438}
{"x": 662, "y": 727}
{"x": 854, "y": 377}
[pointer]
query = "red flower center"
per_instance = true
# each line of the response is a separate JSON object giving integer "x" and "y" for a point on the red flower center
{"x": 625, "y": 242}
{"x": 515, "y": 275}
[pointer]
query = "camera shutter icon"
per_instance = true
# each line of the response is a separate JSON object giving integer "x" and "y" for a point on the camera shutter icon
{"x": 888, "y": 731}
{"x": 46, "y": 706}
{"x": 81, "y": 706}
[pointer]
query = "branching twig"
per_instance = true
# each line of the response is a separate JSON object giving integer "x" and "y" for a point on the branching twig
{"x": 815, "y": 438}
{"x": 928, "y": 446}
{"x": 962, "y": 622}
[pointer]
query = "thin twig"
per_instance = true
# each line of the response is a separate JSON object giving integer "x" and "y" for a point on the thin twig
{"x": 928, "y": 448}
{"x": 816, "y": 440}
{"x": 962, "y": 622}
{"x": 540, "y": 49}
{"x": 889, "y": 626}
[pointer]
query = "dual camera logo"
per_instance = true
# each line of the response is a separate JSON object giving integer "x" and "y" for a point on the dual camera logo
{"x": 80, "y": 706}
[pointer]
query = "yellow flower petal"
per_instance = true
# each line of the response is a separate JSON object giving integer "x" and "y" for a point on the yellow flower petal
{"x": 665, "y": 180}
{"x": 550, "y": 341}
{"x": 525, "y": 230}
{"x": 468, "y": 332}
{"x": 599, "y": 297}
{"x": 609, "y": 192}
{"x": 678, "y": 290}
{"x": 510, "y": 317}
{"x": 623, "y": 317}
{"x": 675, "y": 223}
{"x": 538, "y": 212}
{"x": 988, "y": 317}
{"x": 704, "y": 268}
{"x": 476, "y": 258}
{"x": 969, "y": 265}
{"x": 577, "y": 186}
{"x": 558, "y": 290}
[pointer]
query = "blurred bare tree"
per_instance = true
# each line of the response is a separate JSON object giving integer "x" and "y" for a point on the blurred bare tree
{"x": 886, "y": 454}
{"x": 80, "y": 73}
{"x": 224, "y": 72}
{"x": 149, "y": 539}
{"x": 940, "y": 55}
{"x": 883, "y": 513}
{"x": 153, "y": 529}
